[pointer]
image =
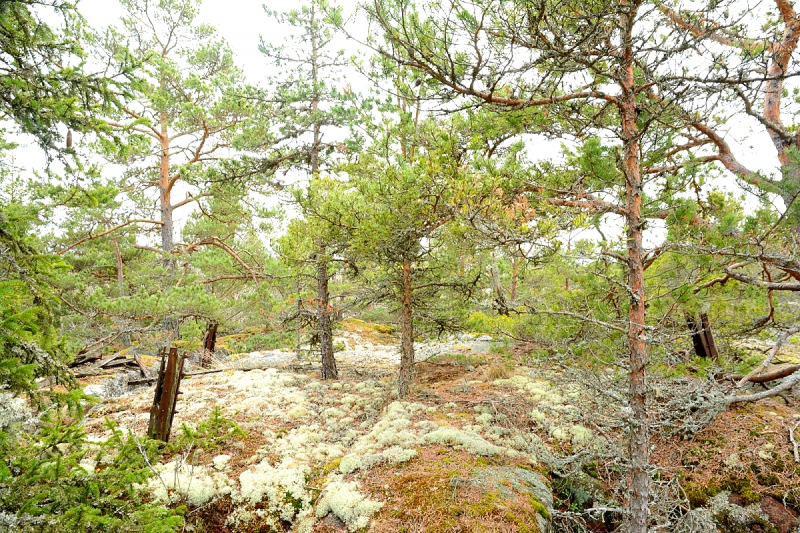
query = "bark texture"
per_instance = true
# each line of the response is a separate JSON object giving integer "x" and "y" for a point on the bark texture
{"x": 329, "y": 370}
{"x": 406, "y": 374}
{"x": 639, "y": 441}
{"x": 165, "y": 191}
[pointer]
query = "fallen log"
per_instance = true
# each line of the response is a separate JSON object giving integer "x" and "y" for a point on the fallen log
{"x": 764, "y": 377}
{"x": 143, "y": 381}
{"x": 787, "y": 384}
{"x": 143, "y": 368}
{"x": 109, "y": 361}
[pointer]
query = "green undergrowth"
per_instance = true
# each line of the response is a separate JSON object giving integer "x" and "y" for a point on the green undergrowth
{"x": 459, "y": 358}
{"x": 210, "y": 434}
{"x": 258, "y": 341}
{"x": 739, "y": 362}
{"x": 57, "y": 480}
{"x": 53, "y": 478}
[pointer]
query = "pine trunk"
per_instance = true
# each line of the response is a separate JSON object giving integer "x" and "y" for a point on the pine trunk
{"x": 329, "y": 370}
{"x": 639, "y": 441}
{"x": 406, "y": 336}
{"x": 497, "y": 287}
{"x": 165, "y": 192}
{"x": 298, "y": 332}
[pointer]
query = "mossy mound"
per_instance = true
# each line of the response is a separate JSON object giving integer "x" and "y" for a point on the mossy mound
{"x": 445, "y": 490}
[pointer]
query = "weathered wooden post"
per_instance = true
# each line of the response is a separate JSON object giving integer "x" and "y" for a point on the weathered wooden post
{"x": 702, "y": 338}
{"x": 209, "y": 345}
{"x": 166, "y": 394}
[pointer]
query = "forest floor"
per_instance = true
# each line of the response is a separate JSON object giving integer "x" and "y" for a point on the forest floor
{"x": 483, "y": 443}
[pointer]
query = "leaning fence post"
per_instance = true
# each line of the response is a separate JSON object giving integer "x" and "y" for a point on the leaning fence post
{"x": 166, "y": 394}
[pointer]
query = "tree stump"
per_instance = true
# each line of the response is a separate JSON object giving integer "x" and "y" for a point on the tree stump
{"x": 166, "y": 395}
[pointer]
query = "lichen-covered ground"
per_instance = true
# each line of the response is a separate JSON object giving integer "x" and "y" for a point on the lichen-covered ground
{"x": 463, "y": 453}
{"x": 459, "y": 455}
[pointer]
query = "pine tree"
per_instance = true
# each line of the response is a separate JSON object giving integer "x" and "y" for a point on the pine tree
{"x": 313, "y": 103}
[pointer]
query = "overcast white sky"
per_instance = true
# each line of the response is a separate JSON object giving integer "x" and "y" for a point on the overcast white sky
{"x": 242, "y": 22}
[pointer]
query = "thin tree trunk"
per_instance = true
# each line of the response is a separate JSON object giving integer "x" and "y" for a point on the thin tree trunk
{"x": 406, "y": 336}
{"x": 329, "y": 370}
{"x": 126, "y": 337}
{"x": 165, "y": 191}
{"x": 299, "y": 315}
{"x": 120, "y": 278}
{"x": 325, "y": 332}
{"x": 497, "y": 287}
{"x": 639, "y": 441}
{"x": 315, "y": 99}
{"x": 514, "y": 278}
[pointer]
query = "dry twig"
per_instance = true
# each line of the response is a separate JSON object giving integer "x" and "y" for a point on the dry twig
{"x": 794, "y": 443}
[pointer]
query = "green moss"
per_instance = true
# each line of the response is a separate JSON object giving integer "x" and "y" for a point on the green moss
{"x": 713, "y": 441}
{"x": 590, "y": 469}
{"x": 540, "y": 508}
{"x": 482, "y": 461}
{"x": 699, "y": 495}
{"x": 767, "y": 480}
{"x": 695, "y": 455}
{"x": 485, "y": 506}
{"x": 743, "y": 488}
{"x": 522, "y": 527}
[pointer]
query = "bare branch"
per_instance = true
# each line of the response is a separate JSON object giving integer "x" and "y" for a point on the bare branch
{"x": 115, "y": 228}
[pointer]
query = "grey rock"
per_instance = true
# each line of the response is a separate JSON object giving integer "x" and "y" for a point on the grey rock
{"x": 98, "y": 391}
{"x": 334, "y": 522}
{"x": 484, "y": 338}
{"x": 729, "y": 516}
{"x": 519, "y": 480}
{"x": 113, "y": 387}
{"x": 116, "y": 386}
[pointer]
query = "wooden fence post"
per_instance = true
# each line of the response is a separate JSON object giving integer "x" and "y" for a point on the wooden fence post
{"x": 702, "y": 338}
{"x": 209, "y": 345}
{"x": 166, "y": 394}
